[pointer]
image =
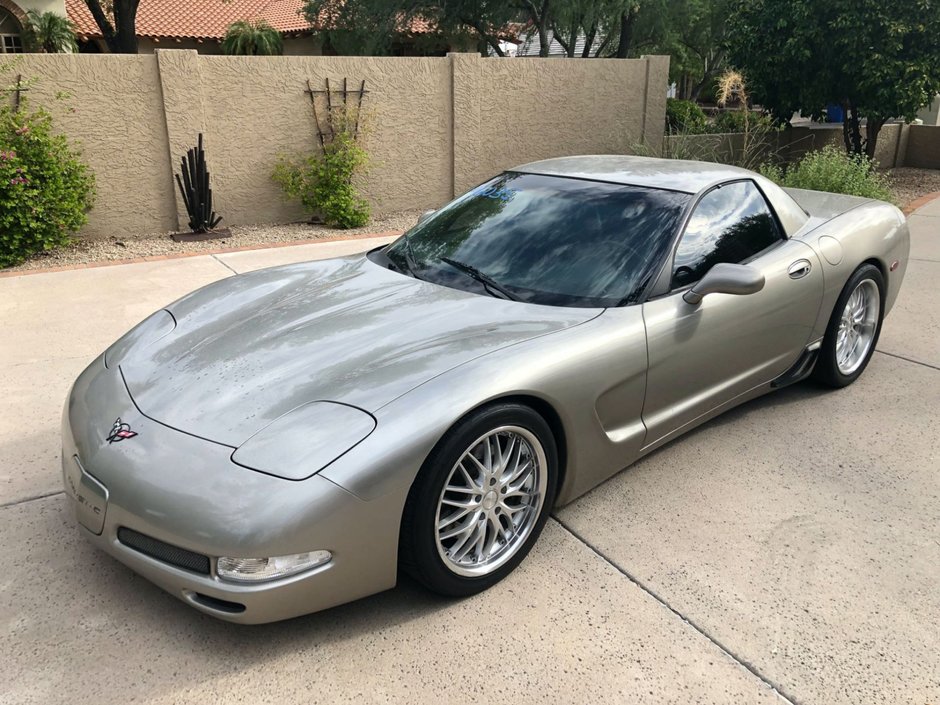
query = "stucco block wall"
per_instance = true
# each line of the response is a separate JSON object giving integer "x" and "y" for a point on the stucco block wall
{"x": 535, "y": 109}
{"x": 923, "y": 147}
{"x": 260, "y": 110}
{"x": 436, "y": 126}
{"x": 114, "y": 108}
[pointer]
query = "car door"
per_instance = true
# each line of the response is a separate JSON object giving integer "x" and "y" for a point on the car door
{"x": 703, "y": 356}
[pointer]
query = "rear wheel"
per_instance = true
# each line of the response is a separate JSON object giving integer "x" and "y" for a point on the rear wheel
{"x": 480, "y": 500}
{"x": 853, "y": 329}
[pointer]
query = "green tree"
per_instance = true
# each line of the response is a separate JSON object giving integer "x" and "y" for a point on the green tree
{"x": 50, "y": 33}
{"x": 693, "y": 33}
{"x": 608, "y": 26}
{"x": 878, "y": 60}
{"x": 370, "y": 26}
{"x": 245, "y": 38}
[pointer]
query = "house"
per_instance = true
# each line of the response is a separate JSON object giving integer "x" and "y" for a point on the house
{"x": 13, "y": 18}
{"x": 194, "y": 24}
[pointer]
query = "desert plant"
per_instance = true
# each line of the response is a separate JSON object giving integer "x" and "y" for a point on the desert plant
{"x": 45, "y": 188}
{"x": 193, "y": 182}
{"x": 831, "y": 169}
{"x": 684, "y": 116}
{"x": 245, "y": 38}
{"x": 323, "y": 182}
{"x": 50, "y": 33}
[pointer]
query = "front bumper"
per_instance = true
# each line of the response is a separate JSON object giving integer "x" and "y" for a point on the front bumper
{"x": 185, "y": 492}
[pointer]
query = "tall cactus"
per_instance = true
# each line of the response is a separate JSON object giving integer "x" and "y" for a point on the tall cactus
{"x": 193, "y": 182}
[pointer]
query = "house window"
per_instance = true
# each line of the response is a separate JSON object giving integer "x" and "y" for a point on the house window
{"x": 10, "y": 40}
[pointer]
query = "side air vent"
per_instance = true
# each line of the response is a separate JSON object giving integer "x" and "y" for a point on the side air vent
{"x": 174, "y": 555}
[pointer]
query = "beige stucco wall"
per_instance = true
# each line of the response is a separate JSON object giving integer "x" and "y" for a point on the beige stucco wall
{"x": 437, "y": 125}
{"x": 923, "y": 147}
{"x": 260, "y": 109}
{"x": 114, "y": 110}
{"x": 535, "y": 109}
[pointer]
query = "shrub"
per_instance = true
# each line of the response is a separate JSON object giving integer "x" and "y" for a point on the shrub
{"x": 739, "y": 121}
{"x": 831, "y": 169}
{"x": 323, "y": 182}
{"x": 45, "y": 189}
{"x": 684, "y": 116}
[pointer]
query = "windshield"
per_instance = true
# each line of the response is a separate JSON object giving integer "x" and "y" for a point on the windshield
{"x": 546, "y": 240}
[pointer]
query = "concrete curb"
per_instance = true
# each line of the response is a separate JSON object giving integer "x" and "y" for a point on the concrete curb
{"x": 201, "y": 253}
{"x": 920, "y": 202}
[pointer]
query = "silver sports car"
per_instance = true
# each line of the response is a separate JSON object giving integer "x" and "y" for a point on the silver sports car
{"x": 287, "y": 440}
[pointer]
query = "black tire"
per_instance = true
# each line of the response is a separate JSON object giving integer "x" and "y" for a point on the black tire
{"x": 418, "y": 547}
{"x": 827, "y": 369}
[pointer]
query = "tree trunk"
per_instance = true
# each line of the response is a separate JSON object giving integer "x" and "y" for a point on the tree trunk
{"x": 485, "y": 38}
{"x": 851, "y": 129}
{"x": 589, "y": 41}
{"x": 627, "y": 22}
{"x": 125, "y": 18}
{"x": 872, "y": 130}
{"x": 575, "y": 30}
{"x": 697, "y": 88}
{"x": 121, "y": 36}
{"x": 566, "y": 46}
{"x": 544, "y": 42}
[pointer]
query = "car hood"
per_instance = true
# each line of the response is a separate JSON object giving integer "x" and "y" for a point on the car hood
{"x": 250, "y": 348}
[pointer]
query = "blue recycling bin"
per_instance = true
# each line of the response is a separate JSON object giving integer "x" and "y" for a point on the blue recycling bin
{"x": 834, "y": 113}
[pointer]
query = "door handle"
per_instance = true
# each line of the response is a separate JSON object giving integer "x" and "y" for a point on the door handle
{"x": 799, "y": 269}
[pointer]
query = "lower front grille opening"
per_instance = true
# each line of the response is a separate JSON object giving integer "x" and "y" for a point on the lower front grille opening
{"x": 162, "y": 551}
{"x": 217, "y": 604}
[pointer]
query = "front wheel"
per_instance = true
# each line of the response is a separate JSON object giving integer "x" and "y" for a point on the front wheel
{"x": 480, "y": 500}
{"x": 853, "y": 329}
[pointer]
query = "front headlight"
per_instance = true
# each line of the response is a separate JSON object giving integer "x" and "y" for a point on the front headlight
{"x": 253, "y": 570}
{"x": 305, "y": 440}
{"x": 148, "y": 331}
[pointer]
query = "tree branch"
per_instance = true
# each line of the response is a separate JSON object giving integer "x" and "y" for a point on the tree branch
{"x": 557, "y": 38}
{"x": 104, "y": 24}
{"x": 486, "y": 36}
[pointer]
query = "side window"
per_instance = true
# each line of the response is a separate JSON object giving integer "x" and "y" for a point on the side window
{"x": 730, "y": 224}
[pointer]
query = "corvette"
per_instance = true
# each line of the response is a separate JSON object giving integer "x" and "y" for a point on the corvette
{"x": 290, "y": 439}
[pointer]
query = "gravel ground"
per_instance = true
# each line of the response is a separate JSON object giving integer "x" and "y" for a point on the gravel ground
{"x": 908, "y": 184}
{"x": 110, "y": 249}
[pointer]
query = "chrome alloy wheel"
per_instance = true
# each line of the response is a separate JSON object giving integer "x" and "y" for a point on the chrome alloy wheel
{"x": 857, "y": 326}
{"x": 491, "y": 501}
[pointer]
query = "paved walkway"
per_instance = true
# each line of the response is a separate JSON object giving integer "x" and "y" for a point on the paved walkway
{"x": 788, "y": 549}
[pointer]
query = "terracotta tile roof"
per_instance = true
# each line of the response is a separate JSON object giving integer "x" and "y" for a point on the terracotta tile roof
{"x": 207, "y": 19}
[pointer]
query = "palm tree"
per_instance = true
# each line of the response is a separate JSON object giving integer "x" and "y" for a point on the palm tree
{"x": 245, "y": 38}
{"x": 50, "y": 33}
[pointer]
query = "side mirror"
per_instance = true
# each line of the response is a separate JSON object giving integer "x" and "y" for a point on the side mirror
{"x": 424, "y": 216}
{"x": 725, "y": 279}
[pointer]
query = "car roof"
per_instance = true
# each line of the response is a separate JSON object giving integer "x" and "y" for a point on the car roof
{"x": 673, "y": 174}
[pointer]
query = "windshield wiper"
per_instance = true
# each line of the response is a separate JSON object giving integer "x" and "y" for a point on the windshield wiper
{"x": 485, "y": 279}
{"x": 410, "y": 258}
{"x": 410, "y": 265}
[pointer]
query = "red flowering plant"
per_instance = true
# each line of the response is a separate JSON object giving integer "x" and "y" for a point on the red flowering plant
{"x": 45, "y": 188}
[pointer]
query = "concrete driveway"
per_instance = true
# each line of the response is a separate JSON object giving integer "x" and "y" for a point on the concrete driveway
{"x": 789, "y": 550}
